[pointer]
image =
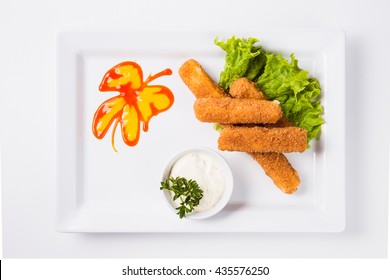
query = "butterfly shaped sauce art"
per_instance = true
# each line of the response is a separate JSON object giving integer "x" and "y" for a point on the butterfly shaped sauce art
{"x": 137, "y": 102}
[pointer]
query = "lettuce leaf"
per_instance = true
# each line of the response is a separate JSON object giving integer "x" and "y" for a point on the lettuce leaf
{"x": 299, "y": 95}
{"x": 243, "y": 59}
{"x": 278, "y": 78}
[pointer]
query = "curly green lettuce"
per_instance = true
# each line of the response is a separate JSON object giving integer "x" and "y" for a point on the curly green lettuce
{"x": 243, "y": 59}
{"x": 278, "y": 78}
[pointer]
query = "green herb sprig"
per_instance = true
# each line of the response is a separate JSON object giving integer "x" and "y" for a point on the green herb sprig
{"x": 188, "y": 191}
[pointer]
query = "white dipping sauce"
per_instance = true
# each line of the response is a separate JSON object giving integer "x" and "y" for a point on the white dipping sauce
{"x": 205, "y": 170}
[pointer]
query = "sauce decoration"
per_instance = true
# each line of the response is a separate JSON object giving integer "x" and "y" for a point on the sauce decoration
{"x": 137, "y": 102}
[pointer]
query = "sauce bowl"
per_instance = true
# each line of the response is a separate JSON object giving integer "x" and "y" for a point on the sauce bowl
{"x": 212, "y": 173}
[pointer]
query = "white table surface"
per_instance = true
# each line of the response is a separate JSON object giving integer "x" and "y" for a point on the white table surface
{"x": 27, "y": 86}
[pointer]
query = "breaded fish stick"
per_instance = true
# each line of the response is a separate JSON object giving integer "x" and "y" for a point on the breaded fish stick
{"x": 279, "y": 169}
{"x": 243, "y": 88}
{"x": 236, "y": 111}
{"x": 262, "y": 139}
{"x": 275, "y": 165}
{"x": 198, "y": 81}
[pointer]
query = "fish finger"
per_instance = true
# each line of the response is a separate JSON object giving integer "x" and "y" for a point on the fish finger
{"x": 236, "y": 111}
{"x": 198, "y": 81}
{"x": 243, "y": 88}
{"x": 278, "y": 168}
{"x": 262, "y": 139}
{"x": 275, "y": 165}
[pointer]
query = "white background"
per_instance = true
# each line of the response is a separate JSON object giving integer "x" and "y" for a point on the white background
{"x": 27, "y": 86}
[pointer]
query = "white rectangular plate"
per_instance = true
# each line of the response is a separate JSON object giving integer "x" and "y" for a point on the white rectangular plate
{"x": 100, "y": 190}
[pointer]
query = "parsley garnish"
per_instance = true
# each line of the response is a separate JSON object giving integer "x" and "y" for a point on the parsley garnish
{"x": 188, "y": 191}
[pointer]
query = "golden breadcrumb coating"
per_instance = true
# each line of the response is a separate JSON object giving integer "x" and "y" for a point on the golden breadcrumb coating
{"x": 262, "y": 139}
{"x": 232, "y": 111}
{"x": 279, "y": 169}
{"x": 198, "y": 81}
{"x": 243, "y": 88}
